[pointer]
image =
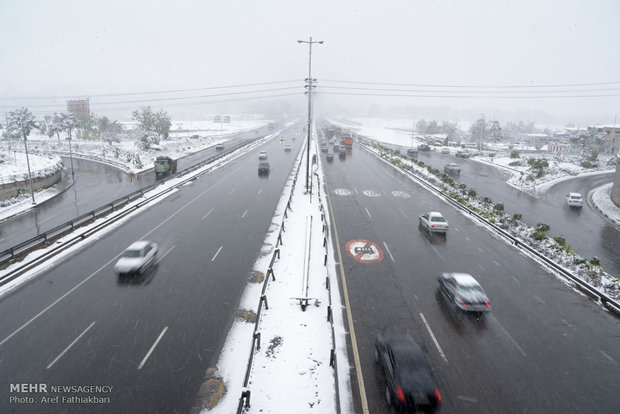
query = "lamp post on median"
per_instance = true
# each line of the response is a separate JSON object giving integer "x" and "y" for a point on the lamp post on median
{"x": 310, "y": 84}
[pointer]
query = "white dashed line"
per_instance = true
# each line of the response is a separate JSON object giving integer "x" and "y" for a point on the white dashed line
{"x": 541, "y": 301}
{"x": 512, "y": 339}
{"x": 401, "y": 212}
{"x": 216, "y": 253}
{"x": 206, "y": 215}
{"x": 70, "y": 345}
{"x": 428, "y": 328}
{"x": 244, "y": 213}
{"x": 148, "y": 354}
{"x": 389, "y": 252}
{"x": 367, "y": 212}
{"x": 437, "y": 251}
{"x": 260, "y": 190}
{"x": 232, "y": 191}
{"x": 607, "y": 356}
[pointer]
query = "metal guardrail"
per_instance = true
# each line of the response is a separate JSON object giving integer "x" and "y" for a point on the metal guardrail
{"x": 13, "y": 253}
{"x": 608, "y": 302}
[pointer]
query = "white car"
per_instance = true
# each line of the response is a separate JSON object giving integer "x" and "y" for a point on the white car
{"x": 574, "y": 200}
{"x": 445, "y": 150}
{"x": 262, "y": 155}
{"x": 434, "y": 222}
{"x": 138, "y": 257}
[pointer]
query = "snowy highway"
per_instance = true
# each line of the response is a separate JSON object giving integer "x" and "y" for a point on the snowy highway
{"x": 151, "y": 339}
{"x": 543, "y": 348}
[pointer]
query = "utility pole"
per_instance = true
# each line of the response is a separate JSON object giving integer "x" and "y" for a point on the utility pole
{"x": 309, "y": 84}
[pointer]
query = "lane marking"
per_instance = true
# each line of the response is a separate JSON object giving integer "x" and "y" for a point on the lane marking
{"x": 47, "y": 219}
{"x": 166, "y": 254}
{"x": 496, "y": 264}
{"x": 515, "y": 279}
{"x": 568, "y": 324}
{"x": 367, "y": 212}
{"x": 401, "y": 212}
{"x": 260, "y": 190}
{"x": 70, "y": 345}
{"x": 216, "y": 253}
{"x": 428, "y": 328}
{"x": 481, "y": 267}
{"x": 607, "y": 356}
{"x": 467, "y": 238}
{"x": 541, "y": 301}
{"x": 207, "y": 215}
{"x": 389, "y": 252}
{"x": 347, "y": 304}
{"x": 148, "y": 354}
{"x": 480, "y": 250}
{"x": 467, "y": 398}
{"x": 511, "y": 338}
{"x": 232, "y": 191}
{"x": 437, "y": 251}
{"x": 244, "y": 213}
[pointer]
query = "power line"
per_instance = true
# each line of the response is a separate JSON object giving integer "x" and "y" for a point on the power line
{"x": 471, "y": 96}
{"x": 474, "y": 86}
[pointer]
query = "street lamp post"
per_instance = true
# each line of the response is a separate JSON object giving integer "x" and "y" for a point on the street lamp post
{"x": 310, "y": 85}
{"x": 29, "y": 173}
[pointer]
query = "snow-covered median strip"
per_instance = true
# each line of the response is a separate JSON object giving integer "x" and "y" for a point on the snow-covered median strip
{"x": 291, "y": 371}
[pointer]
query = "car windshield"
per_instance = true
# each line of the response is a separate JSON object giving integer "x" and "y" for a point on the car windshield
{"x": 131, "y": 253}
{"x": 438, "y": 219}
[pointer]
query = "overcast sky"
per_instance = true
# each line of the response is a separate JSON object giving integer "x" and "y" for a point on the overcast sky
{"x": 85, "y": 48}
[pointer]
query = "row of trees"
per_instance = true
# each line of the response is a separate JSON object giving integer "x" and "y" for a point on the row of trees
{"x": 152, "y": 126}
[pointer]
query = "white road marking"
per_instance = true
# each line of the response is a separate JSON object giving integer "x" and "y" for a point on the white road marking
{"x": 216, "y": 253}
{"x": 480, "y": 250}
{"x": 512, "y": 339}
{"x": 481, "y": 267}
{"x": 367, "y": 212}
{"x": 607, "y": 356}
{"x": 428, "y": 328}
{"x": 568, "y": 324}
{"x": 389, "y": 252}
{"x": 467, "y": 238}
{"x": 232, "y": 191}
{"x": 70, "y": 345}
{"x": 260, "y": 190}
{"x": 165, "y": 254}
{"x": 437, "y": 251}
{"x": 207, "y": 215}
{"x": 515, "y": 279}
{"x": 401, "y": 212}
{"x": 148, "y": 354}
{"x": 47, "y": 219}
{"x": 496, "y": 264}
{"x": 466, "y": 398}
{"x": 541, "y": 301}
{"x": 244, "y": 213}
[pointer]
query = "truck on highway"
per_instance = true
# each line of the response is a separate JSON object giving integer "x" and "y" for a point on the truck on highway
{"x": 164, "y": 166}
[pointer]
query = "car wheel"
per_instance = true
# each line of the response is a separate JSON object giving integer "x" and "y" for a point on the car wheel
{"x": 388, "y": 396}
{"x": 376, "y": 355}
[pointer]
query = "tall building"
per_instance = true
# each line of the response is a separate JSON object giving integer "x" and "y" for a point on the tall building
{"x": 80, "y": 108}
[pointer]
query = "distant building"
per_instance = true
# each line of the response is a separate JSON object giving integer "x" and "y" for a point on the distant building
{"x": 80, "y": 108}
{"x": 611, "y": 137}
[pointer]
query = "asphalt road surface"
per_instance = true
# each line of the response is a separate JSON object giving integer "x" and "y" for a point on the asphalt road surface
{"x": 543, "y": 348}
{"x": 151, "y": 338}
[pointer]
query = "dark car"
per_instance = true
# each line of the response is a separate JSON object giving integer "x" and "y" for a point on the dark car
{"x": 263, "y": 168}
{"x": 219, "y": 147}
{"x": 342, "y": 155}
{"x": 452, "y": 169}
{"x": 424, "y": 147}
{"x": 412, "y": 152}
{"x": 329, "y": 156}
{"x": 464, "y": 292}
{"x": 409, "y": 382}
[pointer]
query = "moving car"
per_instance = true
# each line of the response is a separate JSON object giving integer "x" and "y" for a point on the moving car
{"x": 424, "y": 147}
{"x": 288, "y": 148}
{"x": 445, "y": 150}
{"x": 329, "y": 156}
{"x": 262, "y": 155}
{"x": 434, "y": 222}
{"x": 263, "y": 168}
{"x": 409, "y": 381}
{"x": 137, "y": 258}
{"x": 464, "y": 292}
{"x": 219, "y": 147}
{"x": 574, "y": 200}
{"x": 412, "y": 152}
{"x": 452, "y": 169}
{"x": 462, "y": 154}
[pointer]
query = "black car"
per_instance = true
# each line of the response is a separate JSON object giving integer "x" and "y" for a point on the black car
{"x": 263, "y": 168}
{"x": 464, "y": 292}
{"x": 452, "y": 169}
{"x": 412, "y": 152}
{"x": 409, "y": 382}
{"x": 424, "y": 147}
{"x": 329, "y": 156}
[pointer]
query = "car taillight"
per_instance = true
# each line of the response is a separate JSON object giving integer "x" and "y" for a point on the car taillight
{"x": 464, "y": 304}
{"x": 437, "y": 395}
{"x": 400, "y": 395}
{"x": 487, "y": 303}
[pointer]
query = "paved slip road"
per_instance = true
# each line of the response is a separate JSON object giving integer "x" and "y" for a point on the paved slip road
{"x": 585, "y": 231}
{"x": 152, "y": 338}
{"x": 544, "y": 348}
{"x": 96, "y": 185}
